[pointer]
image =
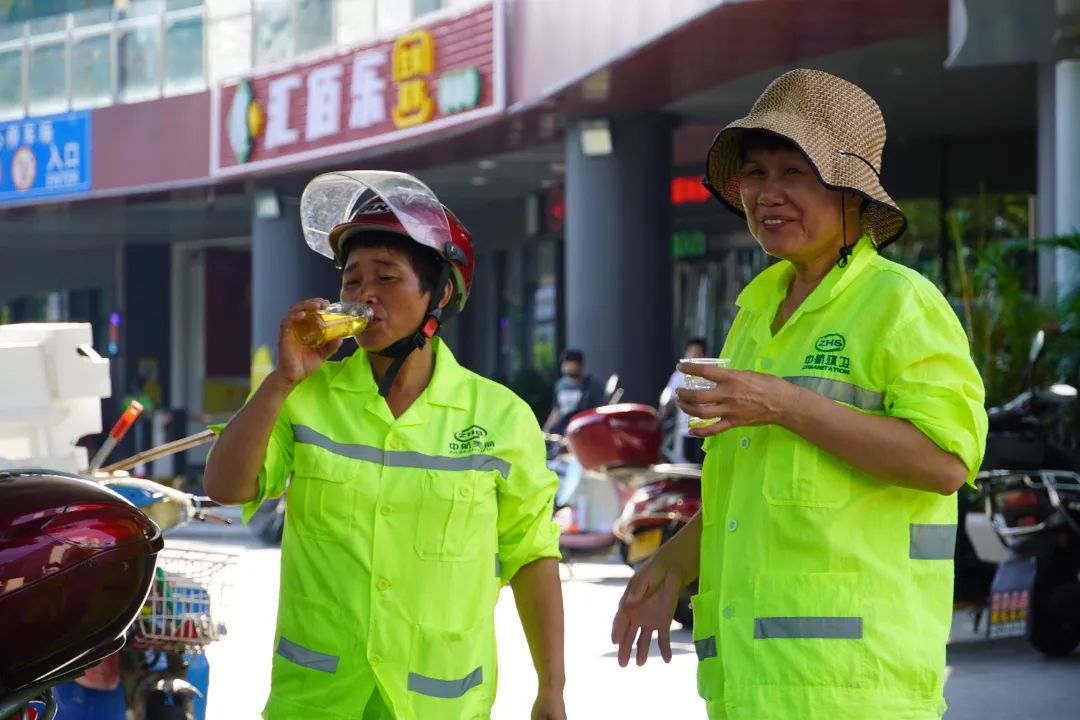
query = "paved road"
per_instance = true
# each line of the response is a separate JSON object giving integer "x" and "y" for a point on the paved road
{"x": 987, "y": 681}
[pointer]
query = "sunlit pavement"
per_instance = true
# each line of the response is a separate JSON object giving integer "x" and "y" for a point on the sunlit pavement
{"x": 987, "y": 681}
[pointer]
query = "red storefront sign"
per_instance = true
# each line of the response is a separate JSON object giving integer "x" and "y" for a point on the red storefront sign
{"x": 425, "y": 79}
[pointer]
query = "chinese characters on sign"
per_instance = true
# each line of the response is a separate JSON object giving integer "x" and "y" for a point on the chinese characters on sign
{"x": 45, "y": 156}
{"x": 414, "y": 61}
{"x": 425, "y": 78}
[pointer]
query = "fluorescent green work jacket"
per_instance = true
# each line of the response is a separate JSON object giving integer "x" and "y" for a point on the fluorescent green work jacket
{"x": 399, "y": 535}
{"x": 825, "y": 592}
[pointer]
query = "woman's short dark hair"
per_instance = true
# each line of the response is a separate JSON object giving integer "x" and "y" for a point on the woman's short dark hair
{"x": 425, "y": 262}
{"x": 761, "y": 140}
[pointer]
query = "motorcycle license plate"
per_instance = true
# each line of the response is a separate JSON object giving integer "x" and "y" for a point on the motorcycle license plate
{"x": 1010, "y": 599}
{"x": 645, "y": 544}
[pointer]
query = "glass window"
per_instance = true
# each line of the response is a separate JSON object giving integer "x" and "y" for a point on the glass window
{"x": 48, "y": 78}
{"x": 92, "y": 16}
{"x": 273, "y": 32}
{"x": 12, "y": 31}
{"x": 229, "y": 39}
{"x": 49, "y": 24}
{"x": 184, "y": 55}
{"x": 355, "y": 21}
{"x": 182, "y": 4}
{"x": 143, "y": 8}
{"x": 314, "y": 24}
{"x": 138, "y": 63}
{"x": 422, "y": 7}
{"x": 392, "y": 14}
{"x": 11, "y": 83}
{"x": 91, "y": 71}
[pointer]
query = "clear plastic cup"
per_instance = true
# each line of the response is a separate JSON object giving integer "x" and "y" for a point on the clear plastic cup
{"x": 696, "y": 382}
{"x": 338, "y": 320}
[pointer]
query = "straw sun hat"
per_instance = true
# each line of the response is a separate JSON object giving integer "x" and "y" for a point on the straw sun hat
{"x": 836, "y": 125}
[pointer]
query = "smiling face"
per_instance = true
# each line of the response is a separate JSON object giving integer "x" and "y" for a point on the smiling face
{"x": 388, "y": 278}
{"x": 789, "y": 212}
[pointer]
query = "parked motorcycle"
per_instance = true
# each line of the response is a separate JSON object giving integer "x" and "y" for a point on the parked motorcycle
{"x": 164, "y": 650}
{"x": 77, "y": 562}
{"x": 587, "y": 500}
{"x": 1032, "y": 501}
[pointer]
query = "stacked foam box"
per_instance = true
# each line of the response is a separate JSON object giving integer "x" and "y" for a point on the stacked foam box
{"x": 51, "y": 385}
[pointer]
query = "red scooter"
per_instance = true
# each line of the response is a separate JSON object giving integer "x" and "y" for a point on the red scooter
{"x": 76, "y": 564}
{"x": 621, "y": 446}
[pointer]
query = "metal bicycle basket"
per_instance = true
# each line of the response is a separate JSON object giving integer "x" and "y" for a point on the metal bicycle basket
{"x": 183, "y": 611}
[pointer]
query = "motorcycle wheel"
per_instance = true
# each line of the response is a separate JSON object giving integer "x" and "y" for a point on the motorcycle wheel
{"x": 1052, "y": 634}
{"x": 169, "y": 712}
{"x": 159, "y": 707}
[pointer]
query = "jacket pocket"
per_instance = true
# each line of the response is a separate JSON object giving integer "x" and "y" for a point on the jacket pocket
{"x": 321, "y": 506}
{"x": 451, "y": 674}
{"x": 456, "y": 510}
{"x": 808, "y": 630}
{"x": 798, "y": 473}
{"x": 308, "y": 651}
{"x": 709, "y": 672}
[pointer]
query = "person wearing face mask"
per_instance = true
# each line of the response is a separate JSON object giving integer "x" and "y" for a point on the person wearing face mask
{"x": 418, "y": 488}
{"x": 849, "y": 416}
{"x": 574, "y": 392}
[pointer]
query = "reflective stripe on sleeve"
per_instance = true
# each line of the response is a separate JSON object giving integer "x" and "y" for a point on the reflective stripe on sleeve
{"x": 841, "y": 391}
{"x": 932, "y": 542}
{"x": 401, "y": 458}
{"x": 445, "y": 688}
{"x": 304, "y": 657}
{"x": 706, "y": 648}
{"x": 787, "y": 628}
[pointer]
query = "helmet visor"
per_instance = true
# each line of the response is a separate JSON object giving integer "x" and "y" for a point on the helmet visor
{"x": 332, "y": 199}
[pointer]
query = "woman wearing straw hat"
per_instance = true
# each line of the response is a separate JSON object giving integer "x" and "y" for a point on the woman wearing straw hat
{"x": 851, "y": 415}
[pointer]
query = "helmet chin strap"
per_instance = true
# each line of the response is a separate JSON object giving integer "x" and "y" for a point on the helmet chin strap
{"x": 401, "y": 349}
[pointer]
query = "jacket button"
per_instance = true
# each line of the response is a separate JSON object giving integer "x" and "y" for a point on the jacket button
{"x": 732, "y": 524}
{"x": 386, "y": 510}
{"x": 744, "y": 443}
{"x": 729, "y": 611}
{"x": 766, "y": 363}
{"x": 376, "y": 659}
{"x": 384, "y": 584}
{"x": 465, "y": 491}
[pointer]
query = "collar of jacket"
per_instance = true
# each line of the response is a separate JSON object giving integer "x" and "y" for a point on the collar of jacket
{"x": 445, "y": 388}
{"x": 765, "y": 292}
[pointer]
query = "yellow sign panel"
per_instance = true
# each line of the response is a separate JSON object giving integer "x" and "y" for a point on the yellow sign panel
{"x": 414, "y": 58}
{"x": 414, "y": 54}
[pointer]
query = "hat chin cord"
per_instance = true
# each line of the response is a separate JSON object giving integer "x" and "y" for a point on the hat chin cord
{"x": 401, "y": 349}
{"x": 846, "y": 250}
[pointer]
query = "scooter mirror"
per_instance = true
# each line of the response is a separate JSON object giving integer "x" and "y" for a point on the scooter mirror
{"x": 1037, "y": 344}
{"x": 611, "y": 387}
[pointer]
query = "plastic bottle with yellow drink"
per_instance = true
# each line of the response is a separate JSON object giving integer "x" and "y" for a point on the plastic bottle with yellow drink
{"x": 338, "y": 320}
